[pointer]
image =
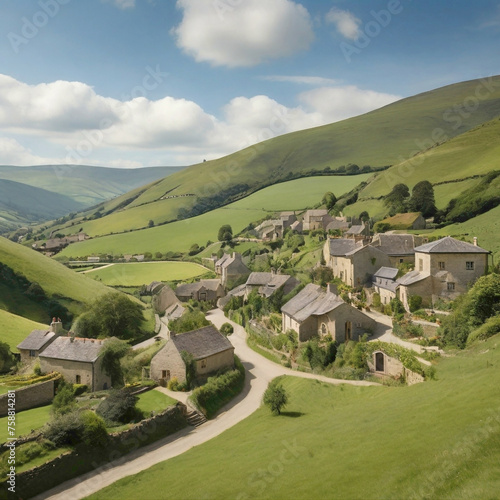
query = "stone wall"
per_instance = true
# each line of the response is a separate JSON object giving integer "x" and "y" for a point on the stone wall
{"x": 30, "y": 397}
{"x": 392, "y": 367}
{"x": 81, "y": 460}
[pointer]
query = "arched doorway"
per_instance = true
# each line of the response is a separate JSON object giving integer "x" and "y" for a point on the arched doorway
{"x": 379, "y": 362}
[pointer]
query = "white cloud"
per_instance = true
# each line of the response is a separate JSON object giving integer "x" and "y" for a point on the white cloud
{"x": 306, "y": 80}
{"x": 246, "y": 33}
{"x": 339, "y": 103}
{"x": 122, "y": 4}
{"x": 69, "y": 121}
{"x": 346, "y": 23}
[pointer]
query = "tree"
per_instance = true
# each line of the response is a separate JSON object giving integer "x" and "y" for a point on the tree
{"x": 64, "y": 401}
{"x": 190, "y": 364}
{"x": 484, "y": 299}
{"x": 329, "y": 199}
{"x": 422, "y": 199}
{"x": 275, "y": 397}
{"x": 188, "y": 322}
{"x": 119, "y": 406}
{"x": 112, "y": 351}
{"x": 225, "y": 233}
{"x": 7, "y": 360}
{"x": 364, "y": 216}
{"x": 151, "y": 223}
{"x": 397, "y": 198}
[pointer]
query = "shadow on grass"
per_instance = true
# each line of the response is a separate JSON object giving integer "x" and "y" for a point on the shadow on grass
{"x": 292, "y": 414}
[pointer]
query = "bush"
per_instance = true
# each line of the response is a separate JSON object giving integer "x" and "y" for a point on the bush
{"x": 414, "y": 302}
{"x": 220, "y": 389}
{"x": 226, "y": 329}
{"x": 490, "y": 328}
{"x": 94, "y": 430}
{"x": 275, "y": 397}
{"x": 64, "y": 401}
{"x": 65, "y": 430}
{"x": 119, "y": 406}
{"x": 79, "y": 389}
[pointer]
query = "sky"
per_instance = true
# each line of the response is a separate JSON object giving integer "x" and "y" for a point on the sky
{"x": 131, "y": 83}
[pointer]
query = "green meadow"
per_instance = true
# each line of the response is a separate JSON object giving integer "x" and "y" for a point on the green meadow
{"x": 26, "y": 421}
{"x": 137, "y": 274}
{"x": 14, "y": 329}
{"x": 438, "y": 439}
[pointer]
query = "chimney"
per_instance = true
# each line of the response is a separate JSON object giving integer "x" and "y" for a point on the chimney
{"x": 331, "y": 288}
{"x": 56, "y": 327}
{"x": 475, "y": 241}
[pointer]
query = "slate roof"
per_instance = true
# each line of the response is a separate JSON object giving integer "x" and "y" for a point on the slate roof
{"x": 85, "y": 350}
{"x": 36, "y": 340}
{"x": 175, "y": 311}
{"x": 395, "y": 244}
{"x": 339, "y": 247}
{"x": 222, "y": 260}
{"x": 296, "y": 226}
{"x": 237, "y": 265}
{"x": 239, "y": 291}
{"x": 312, "y": 300}
{"x": 358, "y": 229}
{"x": 337, "y": 224}
{"x": 188, "y": 289}
{"x": 315, "y": 213}
{"x": 202, "y": 343}
{"x": 450, "y": 245}
{"x": 412, "y": 277}
{"x": 386, "y": 273}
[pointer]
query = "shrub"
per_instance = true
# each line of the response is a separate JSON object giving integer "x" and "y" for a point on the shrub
{"x": 94, "y": 429}
{"x": 219, "y": 389}
{"x": 414, "y": 302}
{"x": 65, "y": 429}
{"x": 226, "y": 329}
{"x": 119, "y": 406}
{"x": 490, "y": 328}
{"x": 79, "y": 389}
{"x": 275, "y": 397}
{"x": 64, "y": 400}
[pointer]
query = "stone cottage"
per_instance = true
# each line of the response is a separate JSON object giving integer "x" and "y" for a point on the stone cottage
{"x": 316, "y": 219}
{"x": 210, "y": 349}
{"x": 231, "y": 268}
{"x": 385, "y": 284}
{"x": 166, "y": 302}
{"x": 267, "y": 284}
{"x": 359, "y": 232}
{"x": 77, "y": 360}
{"x": 351, "y": 261}
{"x": 31, "y": 347}
{"x": 315, "y": 311}
{"x": 203, "y": 291}
{"x": 444, "y": 269}
{"x": 400, "y": 248}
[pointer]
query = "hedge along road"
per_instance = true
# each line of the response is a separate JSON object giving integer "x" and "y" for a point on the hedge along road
{"x": 259, "y": 372}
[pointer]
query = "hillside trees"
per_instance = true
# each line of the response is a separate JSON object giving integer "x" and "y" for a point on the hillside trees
{"x": 422, "y": 199}
{"x": 329, "y": 200}
{"x": 225, "y": 233}
{"x": 397, "y": 199}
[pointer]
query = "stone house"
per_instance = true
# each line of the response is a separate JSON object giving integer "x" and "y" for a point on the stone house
{"x": 231, "y": 268}
{"x": 210, "y": 349}
{"x": 351, "y": 261}
{"x": 359, "y": 232}
{"x": 297, "y": 226}
{"x": 31, "y": 347}
{"x": 203, "y": 291}
{"x": 315, "y": 311}
{"x": 399, "y": 247}
{"x": 268, "y": 283}
{"x": 444, "y": 269}
{"x": 287, "y": 219}
{"x": 77, "y": 360}
{"x": 385, "y": 284}
{"x": 316, "y": 219}
{"x": 166, "y": 302}
{"x": 338, "y": 224}
{"x": 270, "y": 229}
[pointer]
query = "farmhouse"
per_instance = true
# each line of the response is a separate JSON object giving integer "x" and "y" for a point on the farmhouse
{"x": 314, "y": 311}
{"x": 31, "y": 347}
{"x": 316, "y": 219}
{"x": 443, "y": 270}
{"x": 359, "y": 232}
{"x": 270, "y": 229}
{"x": 268, "y": 283}
{"x": 287, "y": 219}
{"x": 77, "y": 360}
{"x": 384, "y": 283}
{"x": 210, "y": 350}
{"x": 166, "y": 302}
{"x": 203, "y": 290}
{"x": 352, "y": 262}
{"x": 399, "y": 247}
{"x": 231, "y": 268}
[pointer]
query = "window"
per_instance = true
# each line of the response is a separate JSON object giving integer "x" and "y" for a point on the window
{"x": 78, "y": 379}
{"x": 451, "y": 286}
{"x": 203, "y": 363}
{"x": 164, "y": 374}
{"x": 32, "y": 354}
{"x": 441, "y": 265}
{"x": 469, "y": 266}
{"x": 420, "y": 265}
{"x": 323, "y": 329}
{"x": 400, "y": 261}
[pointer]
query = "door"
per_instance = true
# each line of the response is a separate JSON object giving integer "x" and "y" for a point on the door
{"x": 379, "y": 362}
{"x": 348, "y": 330}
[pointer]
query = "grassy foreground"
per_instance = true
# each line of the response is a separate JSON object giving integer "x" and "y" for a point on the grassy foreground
{"x": 440, "y": 439}
{"x": 136, "y": 274}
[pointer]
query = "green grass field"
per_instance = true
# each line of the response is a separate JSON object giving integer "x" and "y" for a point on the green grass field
{"x": 26, "y": 421}
{"x": 439, "y": 439}
{"x": 14, "y": 329}
{"x": 154, "y": 401}
{"x": 142, "y": 273}
{"x": 14, "y": 301}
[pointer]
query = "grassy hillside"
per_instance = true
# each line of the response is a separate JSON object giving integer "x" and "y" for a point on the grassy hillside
{"x": 13, "y": 328}
{"x": 439, "y": 439}
{"x": 85, "y": 184}
{"x": 179, "y": 236}
{"x": 23, "y": 204}
{"x": 54, "y": 278}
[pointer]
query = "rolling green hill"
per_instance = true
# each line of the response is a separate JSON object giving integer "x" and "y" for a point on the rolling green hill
{"x": 439, "y": 439}
{"x": 85, "y": 184}
{"x": 13, "y": 328}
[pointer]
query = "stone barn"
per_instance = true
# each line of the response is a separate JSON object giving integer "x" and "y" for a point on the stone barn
{"x": 211, "y": 352}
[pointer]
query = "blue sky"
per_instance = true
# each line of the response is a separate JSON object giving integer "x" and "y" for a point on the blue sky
{"x": 127, "y": 83}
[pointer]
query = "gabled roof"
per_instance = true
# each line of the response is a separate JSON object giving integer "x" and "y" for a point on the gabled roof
{"x": 358, "y": 229}
{"x": 315, "y": 213}
{"x": 395, "y": 244}
{"x": 175, "y": 311}
{"x": 450, "y": 245}
{"x": 412, "y": 277}
{"x": 340, "y": 247}
{"x": 312, "y": 300}
{"x": 36, "y": 340}
{"x": 268, "y": 283}
{"x": 202, "y": 343}
{"x": 387, "y": 273}
{"x": 237, "y": 265}
{"x": 222, "y": 260}
{"x": 84, "y": 350}
{"x": 188, "y": 289}
{"x": 337, "y": 224}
